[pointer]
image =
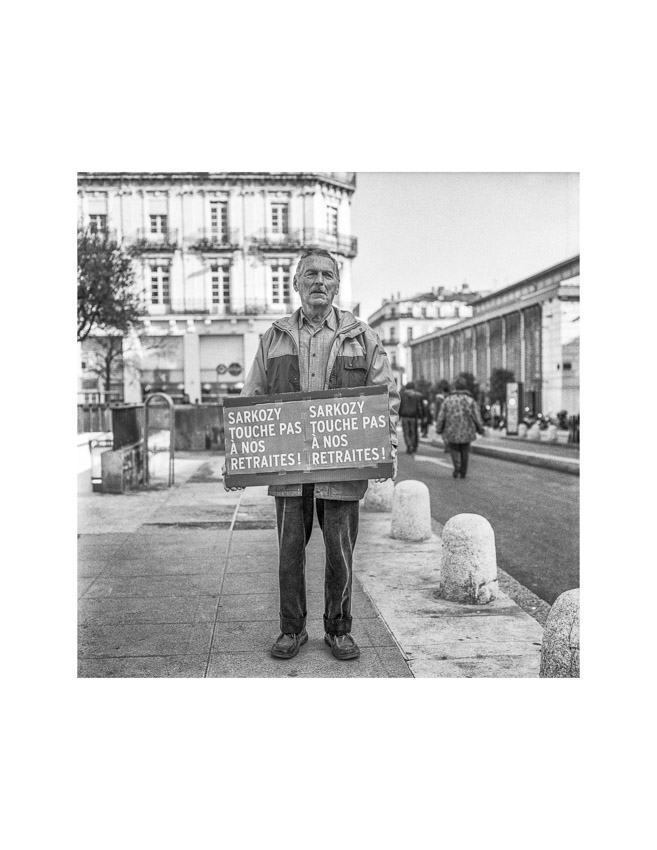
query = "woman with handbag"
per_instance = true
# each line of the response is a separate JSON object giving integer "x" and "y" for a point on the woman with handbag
{"x": 459, "y": 421}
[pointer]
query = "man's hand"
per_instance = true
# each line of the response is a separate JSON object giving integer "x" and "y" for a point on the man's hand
{"x": 393, "y": 455}
{"x": 228, "y": 489}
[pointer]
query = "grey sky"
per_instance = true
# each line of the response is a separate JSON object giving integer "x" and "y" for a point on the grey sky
{"x": 417, "y": 230}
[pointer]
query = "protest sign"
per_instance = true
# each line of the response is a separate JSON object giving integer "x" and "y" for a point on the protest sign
{"x": 303, "y": 438}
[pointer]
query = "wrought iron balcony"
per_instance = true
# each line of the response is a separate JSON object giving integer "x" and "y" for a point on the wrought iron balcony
{"x": 103, "y": 233}
{"x": 147, "y": 242}
{"x": 267, "y": 240}
{"x": 208, "y": 241}
{"x": 339, "y": 244}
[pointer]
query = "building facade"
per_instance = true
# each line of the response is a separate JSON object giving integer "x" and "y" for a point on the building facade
{"x": 215, "y": 258}
{"x": 399, "y": 321}
{"x": 530, "y": 328}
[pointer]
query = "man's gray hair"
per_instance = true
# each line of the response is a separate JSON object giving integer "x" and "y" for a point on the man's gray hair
{"x": 316, "y": 252}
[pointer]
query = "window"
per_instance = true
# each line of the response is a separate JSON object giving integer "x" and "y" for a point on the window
{"x": 567, "y": 367}
{"x": 220, "y": 284}
{"x": 393, "y": 334}
{"x": 332, "y": 220}
{"x": 280, "y": 284}
{"x": 160, "y": 293}
{"x": 97, "y": 223}
{"x": 219, "y": 220}
{"x": 423, "y": 312}
{"x": 279, "y": 218}
{"x": 409, "y": 334}
{"x": 158, "y": 223}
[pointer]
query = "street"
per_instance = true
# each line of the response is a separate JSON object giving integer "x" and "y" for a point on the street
{"x": 534, "y": 513}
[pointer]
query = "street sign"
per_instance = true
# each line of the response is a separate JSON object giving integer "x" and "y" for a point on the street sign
{"x": 221, "y": 369}
{"x": 234, "y": 369}
{"x": 304, "y": 438}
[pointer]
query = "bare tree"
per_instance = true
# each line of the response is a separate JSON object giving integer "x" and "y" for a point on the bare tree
{"x": 107, "y": 299}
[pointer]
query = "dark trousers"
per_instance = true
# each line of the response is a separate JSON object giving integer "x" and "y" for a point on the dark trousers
{"x": 409, "y": 427}
{"x": 339, "y": 523}
{"x": 459, "y": 453}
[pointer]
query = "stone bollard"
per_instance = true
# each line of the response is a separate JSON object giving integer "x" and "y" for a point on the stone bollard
{"x": 551, "y": 436}
{"x": 378, "y": 497}
{"x": 469, "y": 564}
{"x": 534, "y": 432}
{"x": 522, "y": 430}
{"x": 411, "y": 512}
{"x": 560, "y": 647}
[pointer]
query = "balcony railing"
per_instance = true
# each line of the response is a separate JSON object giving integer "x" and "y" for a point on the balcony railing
{"x": 206, "y": 240}
{"x": 297, "y": 240}
{"x": 267, "y": 240}
{"x": 147, "y": 242}
{"x": 346, "y": 245}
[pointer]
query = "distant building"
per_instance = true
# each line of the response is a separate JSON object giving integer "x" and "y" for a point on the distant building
{"x": 400, "y": 320}
{"x": 216, "y": 254}
{"x": 530, "y": 328}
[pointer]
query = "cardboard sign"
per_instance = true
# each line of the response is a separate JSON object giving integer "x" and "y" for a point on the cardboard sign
{"x": 305, "y": 438}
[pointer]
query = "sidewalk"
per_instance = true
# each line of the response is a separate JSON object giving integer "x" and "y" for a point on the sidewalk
{"x": 183, "y": 582}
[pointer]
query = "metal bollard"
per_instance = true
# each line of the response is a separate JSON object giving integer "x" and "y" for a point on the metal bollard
{"x": 411, "y": 512}
{"x": 378, "y": 497}
{"x": 560, "y": 647}
{"x": 469, "y": 562}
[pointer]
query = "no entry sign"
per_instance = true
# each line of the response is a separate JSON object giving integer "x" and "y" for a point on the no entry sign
{"x": 304, "y": 438}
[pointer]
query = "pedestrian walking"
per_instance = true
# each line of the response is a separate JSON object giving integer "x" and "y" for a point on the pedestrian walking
{"x": 410, "y": 410}
{"x": 319, "y": 347}
{"x": 459, "y": 420}
{"x": 426, "y": 418}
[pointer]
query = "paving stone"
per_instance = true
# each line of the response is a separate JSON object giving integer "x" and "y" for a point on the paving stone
{"x": 393, "y": 661}
{"x": 106, "y": 610}
{"x": 309, "y": 663}
{"x": 143, "y": 639}
{"x": 147, "y": 586}
{"x": 152, "y": 667}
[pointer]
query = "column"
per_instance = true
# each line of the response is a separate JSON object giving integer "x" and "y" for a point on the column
{"x": 192, "y": 365}
{"x": 488, "y": 355}
{"x": 504, "y": 342}
{"x": 522, "y": 346}
{"x": 132, "y": 368}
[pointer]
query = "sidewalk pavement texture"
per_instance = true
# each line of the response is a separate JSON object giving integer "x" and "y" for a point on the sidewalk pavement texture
{"x": 183, "y": 582}
{"x": 563, "y": 457}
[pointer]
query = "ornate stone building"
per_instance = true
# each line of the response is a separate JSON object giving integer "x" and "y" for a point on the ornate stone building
{"x": 530, "y": 328}
{"x": 216, "y": 253}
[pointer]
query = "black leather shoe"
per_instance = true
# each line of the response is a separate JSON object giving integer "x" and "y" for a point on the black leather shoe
{"x": 463, "y": 475}
{"x": 343, "y": 647}
{"x": 455, "y": 474}
{"x": 287, "y": 645}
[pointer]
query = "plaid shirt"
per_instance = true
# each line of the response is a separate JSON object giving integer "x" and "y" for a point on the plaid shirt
{"x": 314, "y": 349}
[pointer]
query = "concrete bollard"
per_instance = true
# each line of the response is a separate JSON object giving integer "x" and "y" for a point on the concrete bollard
{"x": 378, "y": 497}
{"x": 522, "y": 430}
{"x": 411, "y": 512}
{"x": 469, "y": 564}
{"x": 551, "y": 436}
{"x": 534, "y": 432}
{"x": 560, "y": 647}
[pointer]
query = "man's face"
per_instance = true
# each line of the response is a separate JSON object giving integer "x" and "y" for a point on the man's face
{"x": 317, "y": 284}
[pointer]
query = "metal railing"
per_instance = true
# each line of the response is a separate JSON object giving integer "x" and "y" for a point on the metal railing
{"x": 146, "y": 241}
{"x": 93, "y": 417}
{"x": 347, "y": 245}
{"x": 208, "y": 240}
{"x": 290, "y": 240}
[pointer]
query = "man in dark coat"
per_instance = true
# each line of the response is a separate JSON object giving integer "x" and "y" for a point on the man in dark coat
{"x": 410, "y": 409}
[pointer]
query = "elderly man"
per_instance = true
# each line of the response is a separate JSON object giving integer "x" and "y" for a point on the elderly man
{"x": 319, "y": 347}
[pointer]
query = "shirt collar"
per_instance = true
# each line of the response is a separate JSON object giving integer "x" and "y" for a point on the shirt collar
{"x": 330, "y": 319}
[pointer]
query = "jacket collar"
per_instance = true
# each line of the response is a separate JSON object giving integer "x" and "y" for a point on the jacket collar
{"x": 348, "y": 324}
